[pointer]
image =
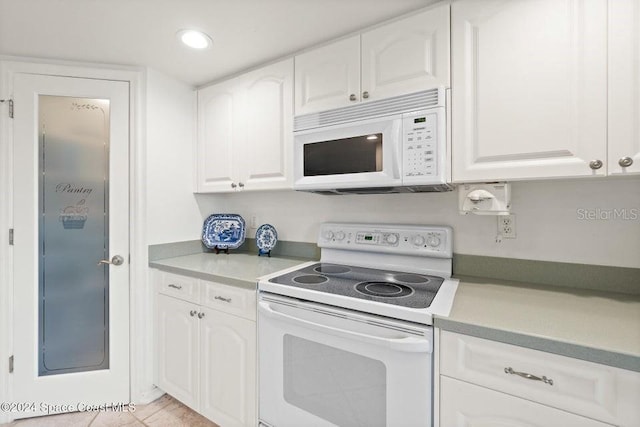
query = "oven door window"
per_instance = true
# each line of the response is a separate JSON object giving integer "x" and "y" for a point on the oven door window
{"x": 344, "y": 388}
{"x": 359, "y": 154}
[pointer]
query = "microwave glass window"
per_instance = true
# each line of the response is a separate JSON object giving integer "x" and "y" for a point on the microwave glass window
{"x": 359, "y": 154}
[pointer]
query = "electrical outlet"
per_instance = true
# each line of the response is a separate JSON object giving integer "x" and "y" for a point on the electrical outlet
{"x": 254, "y": 222}
{"x": 507, "y": 226}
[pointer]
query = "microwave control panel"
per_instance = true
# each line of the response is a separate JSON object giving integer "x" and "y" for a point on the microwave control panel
{"x": 420, "y": 145}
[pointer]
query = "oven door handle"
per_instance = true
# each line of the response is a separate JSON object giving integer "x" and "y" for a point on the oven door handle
{"x": 405, "y": 344}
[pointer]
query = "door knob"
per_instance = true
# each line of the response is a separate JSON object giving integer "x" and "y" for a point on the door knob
{"x": 352, "y": 97}
{"x": 365, "y": 94}
{"x": 116, "y": 260}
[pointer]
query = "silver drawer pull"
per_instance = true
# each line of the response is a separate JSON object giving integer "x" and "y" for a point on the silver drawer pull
{"x": 175, "y": 286}
{"x": 544, "y": 379}
{"x": 200, "y": 315}
{"x": 222, "y": 298}
{"x": 193, "y": 313}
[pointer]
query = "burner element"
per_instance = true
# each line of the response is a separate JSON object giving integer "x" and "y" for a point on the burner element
{"x": 310, "y": 279}
{"x": 410, "y": 278}
{"x": 383, "y": 289}
{"x": 332, "y": 269}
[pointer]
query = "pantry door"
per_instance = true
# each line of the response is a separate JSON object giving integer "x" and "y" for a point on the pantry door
{"x": 71, "y": 243}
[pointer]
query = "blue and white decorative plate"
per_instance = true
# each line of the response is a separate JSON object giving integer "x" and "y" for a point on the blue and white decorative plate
{"x": 266, "y": 238}
{"x": 223, "y": 231}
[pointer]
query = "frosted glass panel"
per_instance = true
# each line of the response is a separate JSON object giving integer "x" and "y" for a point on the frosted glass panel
{"x": 73, "y": 232}
{"x": 345, "y": 388}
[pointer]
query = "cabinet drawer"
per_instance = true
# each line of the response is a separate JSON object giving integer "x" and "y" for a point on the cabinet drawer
{"x": 463, "y": 404}
{"x": 182, "y": 287}
{"x": 586, "y": 388}
{"x": 229, "y": 299}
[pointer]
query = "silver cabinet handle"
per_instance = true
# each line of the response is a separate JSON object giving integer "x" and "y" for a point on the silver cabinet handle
{"x": 241, "y": 185}
{"x": 544, "y": 379}
{"x": 352, "y": 97}
{"x": 116, "y": 260}
{"x": 365, "y": 94}
{"x": 200, "y": 315}
{"x": 625, "y": 162}
{"x": 193, "y": 313}
{"x": 233, "y": 185}
{"x": 222, "y": 298}
{"x": 595, "y": 164}
{"x": 171, "y": 285}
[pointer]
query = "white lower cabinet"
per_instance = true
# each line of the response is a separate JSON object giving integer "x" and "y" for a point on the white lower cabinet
{"x": 468, "y": 405}
{"x": 206, "y": 357}
{"x": 228, "y": 374}
{"x": 488, "y": 383}
{"x": 177, "y": 341}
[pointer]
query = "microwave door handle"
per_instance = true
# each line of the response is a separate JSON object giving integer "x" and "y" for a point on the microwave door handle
{"x": 406, "y": 344}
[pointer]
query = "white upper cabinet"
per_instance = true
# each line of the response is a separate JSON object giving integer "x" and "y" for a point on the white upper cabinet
{"x": 217, "y": 113}
{"x": 407, "y": 55}
{"x": 266, "y": 161}
{"x": 245, "y": 131}
{"x": 624, "y": 86}
{"x": 328, "y": 77}
{"x": 529, "y": 89}
{"x": 404, "y": 56}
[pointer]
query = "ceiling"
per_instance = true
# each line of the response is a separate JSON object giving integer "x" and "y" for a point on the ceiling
{"x": 142, "y": 32}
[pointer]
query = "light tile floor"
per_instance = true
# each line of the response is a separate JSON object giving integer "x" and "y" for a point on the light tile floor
{"x": 163, "y": 412}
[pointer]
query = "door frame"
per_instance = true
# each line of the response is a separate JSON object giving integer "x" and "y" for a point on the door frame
{"x": 141, "y": 385}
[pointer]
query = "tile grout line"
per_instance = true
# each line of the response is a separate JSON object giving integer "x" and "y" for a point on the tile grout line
{"x": 93, "y": 419}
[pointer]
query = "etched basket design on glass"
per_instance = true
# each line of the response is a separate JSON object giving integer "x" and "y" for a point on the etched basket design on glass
{"x": 74, "y": 217}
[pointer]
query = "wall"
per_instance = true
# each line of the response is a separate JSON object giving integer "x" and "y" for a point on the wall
{"x": 171, "y": 207}
{"x": 548, "y": 220}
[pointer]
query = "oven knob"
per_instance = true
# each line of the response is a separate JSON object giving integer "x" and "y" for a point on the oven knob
{"x": 328, "y": 234}
{"x": 391, "y": 239}
{"x": 433, "y": 241}
{"x": 340, "y": 235}
{"x": 418, "y": 240}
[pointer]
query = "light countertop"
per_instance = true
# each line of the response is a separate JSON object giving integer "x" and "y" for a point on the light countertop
{"x": 596, "y": 326}
{"x": 589, "y": 325}
{"x": 235, "y": 269}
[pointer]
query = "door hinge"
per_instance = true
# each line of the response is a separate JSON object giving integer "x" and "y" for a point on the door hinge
{"x": 11, "y": 236}
{"x": 11, "y": 365}
{"x": 10, "y": 102}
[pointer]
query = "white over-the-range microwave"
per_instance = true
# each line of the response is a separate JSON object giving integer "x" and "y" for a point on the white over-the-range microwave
{"x": 393, "y": 145}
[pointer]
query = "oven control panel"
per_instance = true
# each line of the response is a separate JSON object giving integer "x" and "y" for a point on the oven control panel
{"x": 433, "y": 241}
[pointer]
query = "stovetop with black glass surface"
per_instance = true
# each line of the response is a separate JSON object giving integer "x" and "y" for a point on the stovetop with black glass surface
{"x": 383, "y": 286}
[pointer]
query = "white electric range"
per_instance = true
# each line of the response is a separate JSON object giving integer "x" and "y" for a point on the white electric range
{"x": 347, "y": 341}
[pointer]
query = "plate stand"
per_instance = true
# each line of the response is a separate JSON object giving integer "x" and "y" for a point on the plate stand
{"x": 261, "y": 252}
{"x": 218, "y": 250}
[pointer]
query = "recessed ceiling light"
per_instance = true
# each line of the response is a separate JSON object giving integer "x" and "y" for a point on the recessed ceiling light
{"x": 194, "y": 39}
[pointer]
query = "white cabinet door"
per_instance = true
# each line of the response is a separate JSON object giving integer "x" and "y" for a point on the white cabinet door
{"x": 228, "y": 372}
{"x": 529, "y": 81}
{"x": 178, "y": 352}
{"x": 406, "y": 56}
{"x": 218, "y": 112}
{"x": 466, "y": 405}
{"x": 266, "y": 159}
{"x": 328, "y": 77}
{"x": 624, "y": 86}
